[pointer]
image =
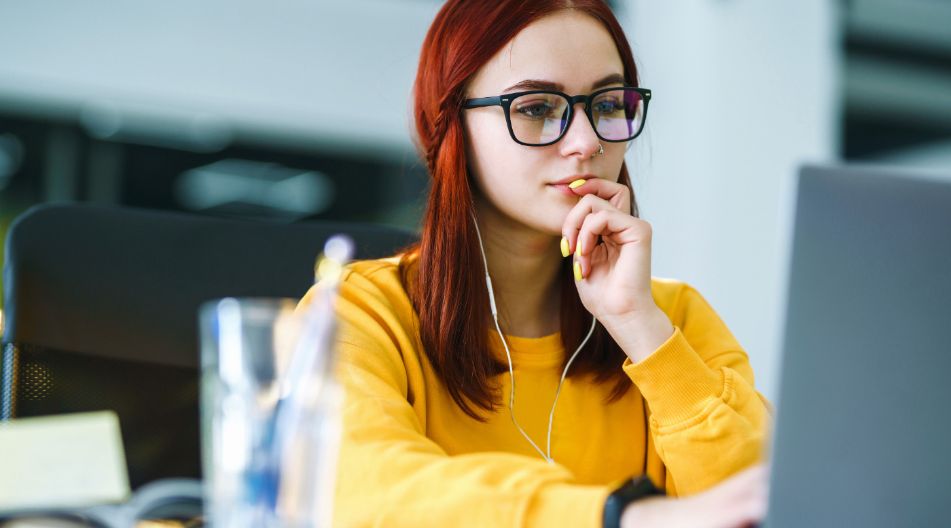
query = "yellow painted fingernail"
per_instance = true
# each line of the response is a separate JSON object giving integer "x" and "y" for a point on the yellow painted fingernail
{"x": 577, "y": 183}
{"x": 578, "y": 247}
{"x": 565, "y": 250}
{"x": 578, "y": 275}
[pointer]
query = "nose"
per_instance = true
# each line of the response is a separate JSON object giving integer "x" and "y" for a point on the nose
{"x": 579, "y": 140}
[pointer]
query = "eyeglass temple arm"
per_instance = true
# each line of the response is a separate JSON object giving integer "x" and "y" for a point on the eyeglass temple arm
{"x": 482, "y": 101}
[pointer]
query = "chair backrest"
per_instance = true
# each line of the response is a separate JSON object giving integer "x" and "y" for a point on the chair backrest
{"x": 101, "y": 303}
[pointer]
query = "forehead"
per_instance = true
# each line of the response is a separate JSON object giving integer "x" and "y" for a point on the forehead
{"x": 568, "y": 48}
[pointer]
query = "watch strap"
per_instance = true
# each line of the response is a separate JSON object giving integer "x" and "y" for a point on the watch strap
{"x": 630, "y": 491}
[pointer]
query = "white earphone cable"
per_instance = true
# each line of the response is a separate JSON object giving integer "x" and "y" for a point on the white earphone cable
{"x": 551, "y": 416}
{"x": 508, "y": 354}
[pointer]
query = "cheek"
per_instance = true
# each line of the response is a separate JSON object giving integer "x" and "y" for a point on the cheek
{"x": 491, "y": 153}
{"x": 487, "y": 136}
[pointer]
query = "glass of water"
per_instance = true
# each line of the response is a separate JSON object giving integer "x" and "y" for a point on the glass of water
{"x": 245, "y": 348}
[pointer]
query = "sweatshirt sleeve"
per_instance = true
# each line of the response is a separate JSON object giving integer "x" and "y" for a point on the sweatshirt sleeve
{"x": 706, "y": 418}
{"x": 389, "y": 472}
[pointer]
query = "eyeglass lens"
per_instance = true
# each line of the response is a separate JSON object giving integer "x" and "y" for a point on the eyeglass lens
{"x": 540, "y": 118}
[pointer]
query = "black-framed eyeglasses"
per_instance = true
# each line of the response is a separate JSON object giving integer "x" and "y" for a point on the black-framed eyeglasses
{"x": 538, "y": 118}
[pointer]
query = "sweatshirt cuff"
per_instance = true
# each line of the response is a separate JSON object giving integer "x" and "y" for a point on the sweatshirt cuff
{"x": 675, "y": 381}
{"x": 568, "y": 505}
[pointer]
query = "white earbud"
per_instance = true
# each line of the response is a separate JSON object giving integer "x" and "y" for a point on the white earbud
{"x": 508, "y": 354}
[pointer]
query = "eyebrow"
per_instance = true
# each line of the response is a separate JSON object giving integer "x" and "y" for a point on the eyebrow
{"x": 536, "y": 84}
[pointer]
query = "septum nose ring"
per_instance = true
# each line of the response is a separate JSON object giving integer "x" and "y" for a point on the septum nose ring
{"x": 599, "y": 152}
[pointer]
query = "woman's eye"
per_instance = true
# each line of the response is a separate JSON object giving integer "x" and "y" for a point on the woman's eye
{"x": 534, "y": 110}
{"x": 606, "y": 106}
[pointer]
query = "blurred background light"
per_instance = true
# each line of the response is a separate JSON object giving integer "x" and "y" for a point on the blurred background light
{"x": 11, "y": 154}
{"x": 245, "y": 188}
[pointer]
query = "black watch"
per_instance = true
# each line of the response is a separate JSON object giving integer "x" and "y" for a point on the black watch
{"x": 630, "y": 491}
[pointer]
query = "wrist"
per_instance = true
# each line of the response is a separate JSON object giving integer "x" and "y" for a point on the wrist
{"x": 639, "y": 333}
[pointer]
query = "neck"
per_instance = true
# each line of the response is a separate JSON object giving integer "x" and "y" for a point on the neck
{"x": 524, "y": 265}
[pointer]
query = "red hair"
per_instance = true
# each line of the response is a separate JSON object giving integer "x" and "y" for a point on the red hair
{"x": 445, "y": 280}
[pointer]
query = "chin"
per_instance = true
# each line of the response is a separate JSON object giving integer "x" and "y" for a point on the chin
{"x": 539, "y": 214}
{"x": 551, "y": 222}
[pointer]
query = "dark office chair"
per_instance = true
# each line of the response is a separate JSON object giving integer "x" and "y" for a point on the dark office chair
{"x": 101, "y": 312}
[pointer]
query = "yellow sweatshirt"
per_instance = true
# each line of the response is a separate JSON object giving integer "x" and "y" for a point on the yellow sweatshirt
{"x": 410, "y": 457}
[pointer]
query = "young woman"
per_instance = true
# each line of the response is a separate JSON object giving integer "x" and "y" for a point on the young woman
{"x": 519, "y": 366}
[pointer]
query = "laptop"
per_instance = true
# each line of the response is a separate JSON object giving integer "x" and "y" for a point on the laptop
{"x": 863, "y": 424}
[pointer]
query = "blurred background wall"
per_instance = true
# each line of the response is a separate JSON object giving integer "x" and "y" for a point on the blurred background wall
{"x": 300, "y": 110}
{"x": 746, "y": 92}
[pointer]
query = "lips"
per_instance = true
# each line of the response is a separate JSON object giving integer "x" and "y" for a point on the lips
{"x": 568, "y": 179}
{"x": 562, "y": 184}
{"x": 563, "y": 189}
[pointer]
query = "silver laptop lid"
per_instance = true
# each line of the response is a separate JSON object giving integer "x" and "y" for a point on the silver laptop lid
{"x": 863, "y": 435}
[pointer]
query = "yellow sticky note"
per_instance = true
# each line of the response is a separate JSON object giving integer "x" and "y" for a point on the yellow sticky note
{"x": 62, "y": 461}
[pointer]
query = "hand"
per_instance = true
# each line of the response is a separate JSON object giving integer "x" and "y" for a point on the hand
{"x": 737, "y": 502}
{"x": 615, "y": 284}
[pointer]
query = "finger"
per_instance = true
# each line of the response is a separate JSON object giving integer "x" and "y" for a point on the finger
{"x": 745, "y": 495}
{"x": 617, "y": 194}
{"x": 739, "y": 501}
{"x": 610, "y": 225}
{"x": 750, "y": 508}
{"x": 572, "y": 224}
{"x": 757, "y": 475}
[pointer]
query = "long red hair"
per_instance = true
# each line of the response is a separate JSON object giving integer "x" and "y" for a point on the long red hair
{"x": 444, "y": 273}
